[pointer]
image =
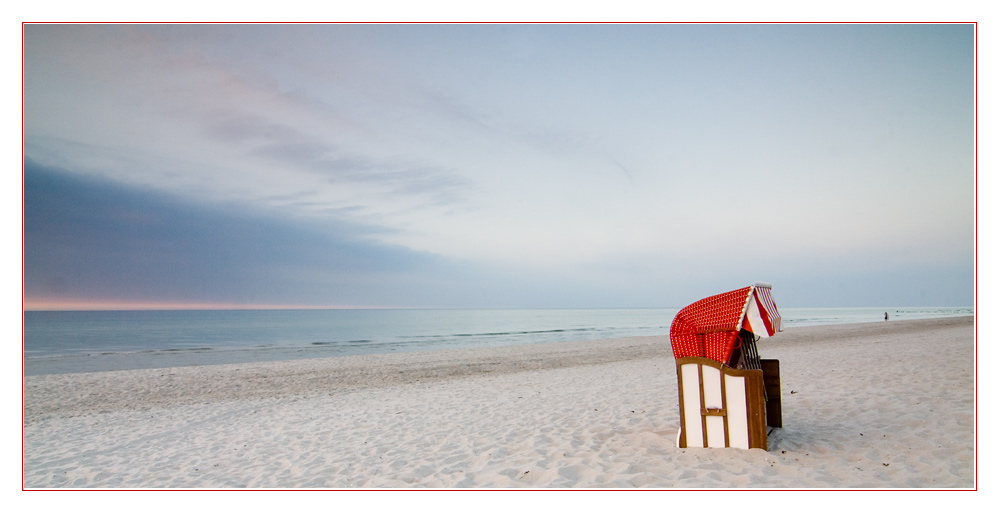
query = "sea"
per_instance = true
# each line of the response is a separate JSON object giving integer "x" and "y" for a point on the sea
{"x": 58, "y": 342}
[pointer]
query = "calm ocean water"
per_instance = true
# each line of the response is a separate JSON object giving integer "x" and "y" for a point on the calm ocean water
{"x": 59, "y": 342}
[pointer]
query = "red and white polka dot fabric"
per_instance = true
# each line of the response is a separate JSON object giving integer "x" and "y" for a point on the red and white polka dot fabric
{"x": 709, "y": 328}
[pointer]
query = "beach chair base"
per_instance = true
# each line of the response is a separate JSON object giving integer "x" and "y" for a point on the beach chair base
{"x": 725, "y": 407}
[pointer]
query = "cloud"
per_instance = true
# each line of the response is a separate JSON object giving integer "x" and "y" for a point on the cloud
{"x": 91, "y": 238}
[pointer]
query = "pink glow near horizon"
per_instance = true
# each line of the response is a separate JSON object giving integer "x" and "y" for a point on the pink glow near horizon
{"x": 84, "y": 305}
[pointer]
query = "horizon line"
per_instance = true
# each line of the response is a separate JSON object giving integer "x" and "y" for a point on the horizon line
{"x": 57, "y": 305}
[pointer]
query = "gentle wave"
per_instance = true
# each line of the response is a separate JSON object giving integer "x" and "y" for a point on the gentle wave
{"x": 529, "y": 332}
{"x": 58, "y": 342}
{"x": 331, "y": 343}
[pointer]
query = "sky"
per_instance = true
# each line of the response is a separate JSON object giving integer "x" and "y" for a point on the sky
{"x": 497, "y": 166}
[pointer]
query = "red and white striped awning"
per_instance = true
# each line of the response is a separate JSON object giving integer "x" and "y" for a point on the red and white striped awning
{"x": 760, "y": 314}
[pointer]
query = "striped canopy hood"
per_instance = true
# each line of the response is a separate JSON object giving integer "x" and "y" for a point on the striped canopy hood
{"x": 710, "y": 327}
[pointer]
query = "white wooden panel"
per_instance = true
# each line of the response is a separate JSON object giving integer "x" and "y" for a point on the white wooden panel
{"x": 712, "y": 387}
{"x": 716, "y": 431}
{"x": 691, "y": 405}
{"x": 713, "y": 399}
{"x": 738, "y": 418}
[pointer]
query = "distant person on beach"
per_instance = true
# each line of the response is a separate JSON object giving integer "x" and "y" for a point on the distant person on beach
{"x": 886, "y": 316}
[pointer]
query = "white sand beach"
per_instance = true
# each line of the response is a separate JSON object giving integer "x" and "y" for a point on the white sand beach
{"x": 880, "y": 405}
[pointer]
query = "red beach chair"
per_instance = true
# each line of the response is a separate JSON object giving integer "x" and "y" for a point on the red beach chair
{"x": 728, "y": 395}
